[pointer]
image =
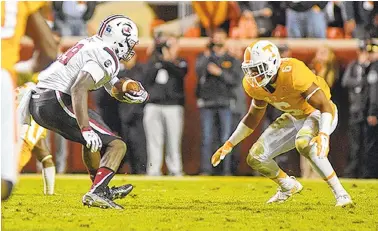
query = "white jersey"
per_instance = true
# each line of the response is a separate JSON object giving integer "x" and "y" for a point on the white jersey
{"x": 91, "y": 55}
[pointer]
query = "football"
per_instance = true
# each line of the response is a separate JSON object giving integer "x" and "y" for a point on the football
{"x": 125, "y": 86}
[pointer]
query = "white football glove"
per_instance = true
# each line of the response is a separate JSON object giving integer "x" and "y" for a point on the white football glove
{"x": 136, "y": 97}
{"x": 93, "y": 140}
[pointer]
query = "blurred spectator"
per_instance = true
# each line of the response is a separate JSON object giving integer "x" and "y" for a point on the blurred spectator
{"x": 279, "y": 19}
{"x": 247, "y": 28}
{"x": 373, "y": 28}
{"x": 324, "y": 64}
{"x": 216, "y": 14}
{"x": 372, "y": 128}
{"x": 71, "y": 16}
{"x": 279, "y": 13}
{"x": 355, "y": 80}
{"x": 261, "y": 12}
{"x": 360, "y": 16}
{"x": 164, "y": 112}
{"x": 306, "y": 19}
{"x": 336, "y": 15}
{"x": 217, "y": 73}
{"x": 126, "y": 119}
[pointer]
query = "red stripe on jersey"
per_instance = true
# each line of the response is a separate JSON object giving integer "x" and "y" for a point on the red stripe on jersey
{"x": 111, "y": 53}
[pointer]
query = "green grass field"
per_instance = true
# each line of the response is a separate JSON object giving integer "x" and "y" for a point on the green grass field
{"x": 190, "y": 203}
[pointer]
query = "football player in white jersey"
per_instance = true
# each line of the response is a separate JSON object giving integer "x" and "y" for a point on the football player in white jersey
{"x": 60, "y": 102}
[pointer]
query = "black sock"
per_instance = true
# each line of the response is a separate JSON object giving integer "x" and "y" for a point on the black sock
{"x": 92, "y": 174}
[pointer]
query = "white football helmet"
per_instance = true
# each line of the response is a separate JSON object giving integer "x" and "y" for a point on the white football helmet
{"x": 121, "y": 34}
{"x": 261, "y": 62}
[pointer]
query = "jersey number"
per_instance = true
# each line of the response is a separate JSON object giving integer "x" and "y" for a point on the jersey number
{"x": 65, "y": 58}
{"x": 8, "y": 26}
{"x": 284, "y": 106}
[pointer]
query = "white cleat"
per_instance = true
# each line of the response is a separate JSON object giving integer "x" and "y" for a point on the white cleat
{"x": 282, "y": 196}
{"x": 343, "y": 201}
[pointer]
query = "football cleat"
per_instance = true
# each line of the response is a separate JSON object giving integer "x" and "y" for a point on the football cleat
{"x": 282, "y": 196}
{"x": 119, "y": 192}
{"x": 99, "y": 199}
{"x": 343, "y": 200}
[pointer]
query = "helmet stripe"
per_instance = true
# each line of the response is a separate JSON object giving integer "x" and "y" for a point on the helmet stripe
{"x": 106, "y": 21}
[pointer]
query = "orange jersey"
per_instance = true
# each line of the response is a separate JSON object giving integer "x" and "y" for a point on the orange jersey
{"x": 14, "y": 17}
{"x": 294, "y": 78}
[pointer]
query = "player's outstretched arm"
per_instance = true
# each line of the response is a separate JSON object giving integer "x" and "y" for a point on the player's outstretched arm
{"x": 245, "y": 128}
{"x": 43, "y": 39}
{"x": 79, "y": 95}
{"x": 316, "y": 98}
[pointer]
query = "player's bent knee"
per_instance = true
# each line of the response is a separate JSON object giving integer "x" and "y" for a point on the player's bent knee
{"x": 256, "y": 151}
{"x": 119, "y": 145}
{"x": 302, "y": 144}
{"x": 253, "y": 161}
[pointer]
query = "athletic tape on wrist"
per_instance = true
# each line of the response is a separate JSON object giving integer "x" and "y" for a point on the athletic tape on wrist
{"x": 241, "y": 132}
{"x": 325, "y": 123}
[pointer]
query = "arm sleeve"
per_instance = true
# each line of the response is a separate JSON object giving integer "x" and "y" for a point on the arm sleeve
{"x": 302, "y": 76}
{"x": 95, "y": 70}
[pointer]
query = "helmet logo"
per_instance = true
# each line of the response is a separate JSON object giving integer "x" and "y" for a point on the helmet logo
{"x": 269, "y": 48}
{"x": 108, "y": 29}
{"x": 126, "y": 30}
{"x": 107, "y": 63}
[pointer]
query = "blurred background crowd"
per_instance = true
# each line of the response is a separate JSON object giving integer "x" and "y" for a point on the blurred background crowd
{"x": 155, "y": 132}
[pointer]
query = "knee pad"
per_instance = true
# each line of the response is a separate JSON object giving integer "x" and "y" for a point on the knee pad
{"x": 253, "y": 159}
{"x": 302, "y": 144}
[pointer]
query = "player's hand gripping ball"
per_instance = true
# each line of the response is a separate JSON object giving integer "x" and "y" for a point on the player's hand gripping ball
{"x": 129, "y": 91}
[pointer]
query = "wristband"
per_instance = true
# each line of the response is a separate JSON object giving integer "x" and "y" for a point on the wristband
{"x": 86, "y": 129}
{"x": 325, "y": 123}
{"x": 240, "y": 133}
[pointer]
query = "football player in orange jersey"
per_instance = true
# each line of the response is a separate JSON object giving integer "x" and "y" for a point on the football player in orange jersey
{"x": 309, "y": 118}
{"x": 16, "y": 19}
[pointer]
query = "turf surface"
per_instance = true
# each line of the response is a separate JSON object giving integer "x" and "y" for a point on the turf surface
{"x": 190, "y": 203}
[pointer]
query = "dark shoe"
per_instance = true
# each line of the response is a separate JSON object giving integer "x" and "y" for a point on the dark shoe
{"x": 99, "y": 199}
{"x": 119, "y": 192}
